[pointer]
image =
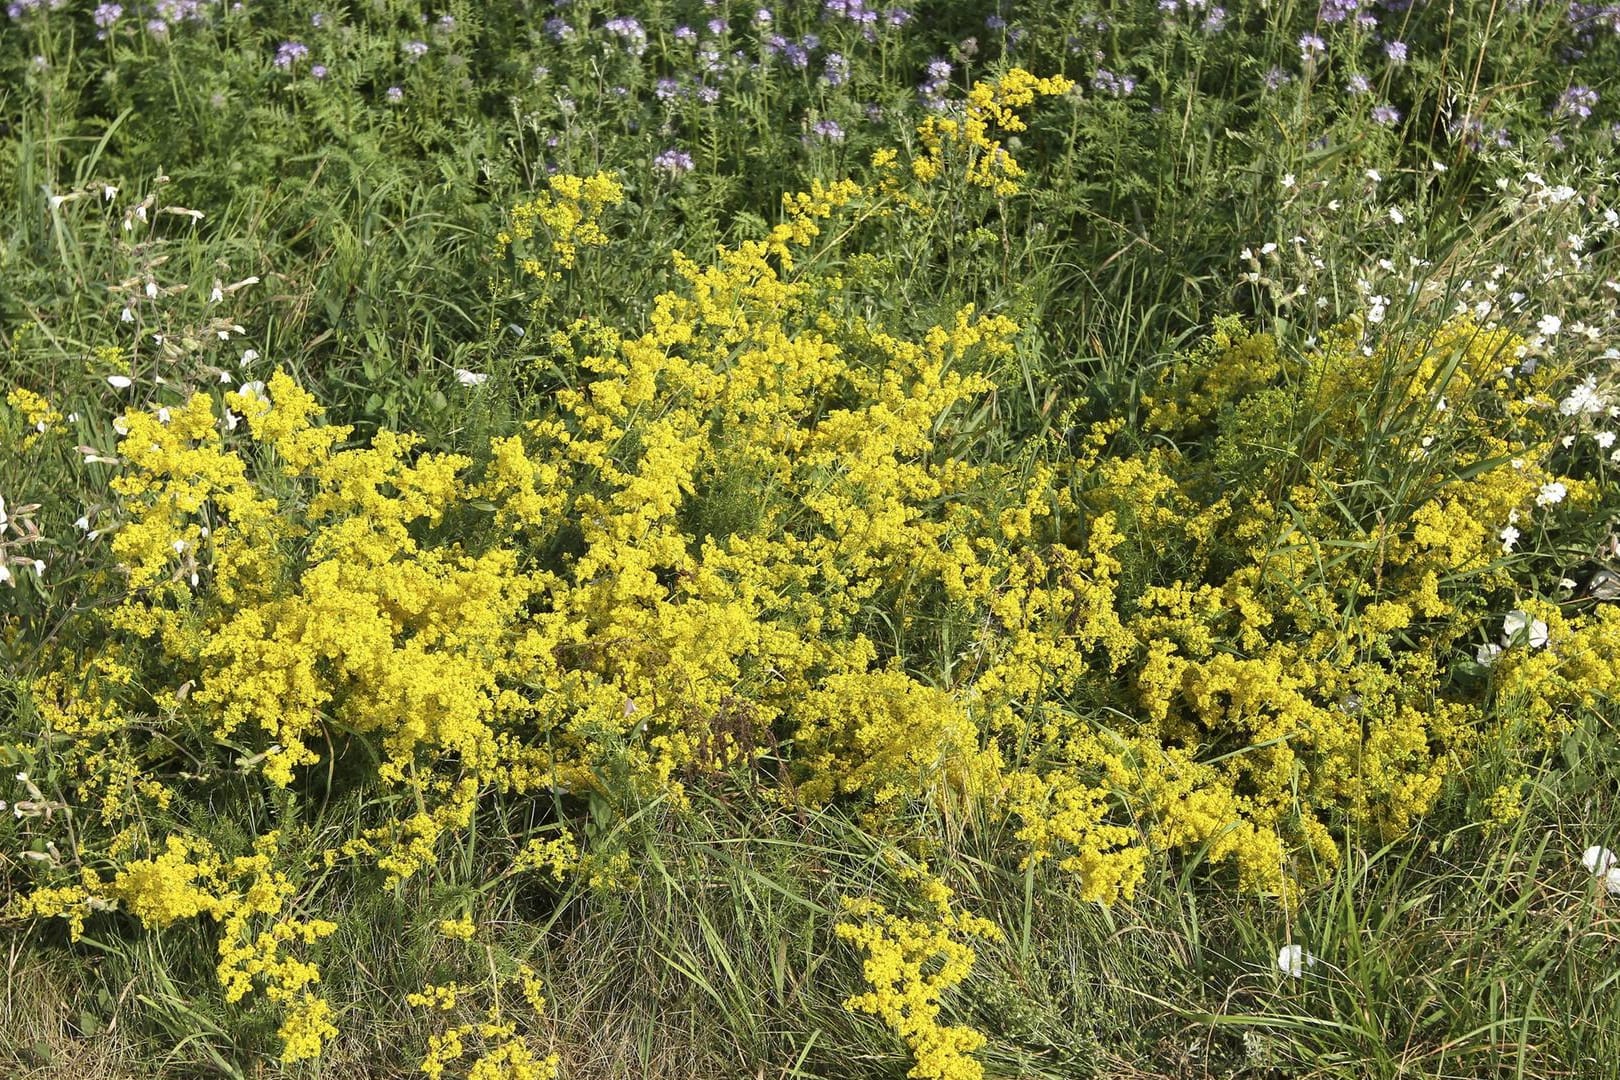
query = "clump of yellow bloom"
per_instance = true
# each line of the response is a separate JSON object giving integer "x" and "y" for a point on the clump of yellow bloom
{"x": 39, "y": 417}
{"x": 911, "y": 963}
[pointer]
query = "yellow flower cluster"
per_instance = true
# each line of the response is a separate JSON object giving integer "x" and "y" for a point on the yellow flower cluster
{"x": 503, "y": 1053}
{"x": 911, "y": 963}
{"x": 991, "y": 108}
{"x": 38, "y": 416}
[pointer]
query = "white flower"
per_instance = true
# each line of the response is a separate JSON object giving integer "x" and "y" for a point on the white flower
{"x": 1519, "y": 626}
{"x": 5, "y": 575}
{"x": 1598, "y": 860}
{"x": 1604, "y": 439}
{"x": 126, "y": 316}
{"x": 1584, "y": 399}
{"x": 119, "y": 382}
{"x": 217, "y": 294}
{"x": 108, "y": 192}
{"x": 1373, "y": 175}
{"x": 1396, "y": 216}
{"x": 1292, "y": 960}
{"x": 1487, "y": 653}
{"x": 1551, "y": 493}
{"x": 254, "y": 389}
{"x": 1288, "y": 180}
{"x": 1550, "y": 325}
{"x": 1509, "y": 536}
{"x": 470, "y": 378}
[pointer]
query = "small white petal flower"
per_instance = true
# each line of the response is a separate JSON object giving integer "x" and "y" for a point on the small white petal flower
{"x": 119, "y": 382}
{"x": 151, "y": 290}
{"x": 470, "y": 378}
{"x": 1509, "y": 536}
{"x": 218, "y": 294}
{"x": 1550, "y": 325}
{"x": 1396, "y": 216}
{"x": 1487, "y": 653}
{"x": 1292, "y": 960}
{"x": 1288, "y": 180}
{"x": 1598, "y": 859}
{"x": 108, "y": 192}
{"x": 126, "y": 316}
{"x": 5, "y": 575}
{"x": 119, "y": 425}
{"x": 1551, "y": 494}
{"x": 1519, "y": 626}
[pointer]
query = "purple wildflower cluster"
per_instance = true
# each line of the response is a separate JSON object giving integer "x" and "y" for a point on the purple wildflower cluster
{"x": 1106, "y": 82}
{"x": 830, "y": 130}
{"x": 796, "y": 53}
{"x": 1576, "y": 103}
{"x": 289, "y": 53}
{"x": 629, "y": 31}
{"x": 673, "y": 161}
{"x": 1387, "y": 115}
{"x": 107, "y": 14}
{"x": 937, "y": 80}
{"x": 835, "y": 69}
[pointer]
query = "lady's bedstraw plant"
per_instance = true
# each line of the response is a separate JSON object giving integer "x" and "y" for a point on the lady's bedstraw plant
{"x": 724, "y": 545}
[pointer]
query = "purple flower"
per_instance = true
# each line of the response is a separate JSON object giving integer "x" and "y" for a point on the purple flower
{"x": 1396, "y": 51}
{"x": 717, "y": 27}
{"x": 1309, "y": 46}
{"x": 318, "y": 71}
{"x": 897, "y": 17}
{"x": 708, "y": 95}
{"x": 1336, "y": 11}
{"x": 994, "y": 22}
{"x": 157, "y": 28}
{"x": 1107, "y": 82}
{"x": 762, "y": 18}
{"x": 1358, "y": 84}
{"x": 557, "y": 29}
{"x": 318, "y": 19}
{"x": 1277, "y": 78}
{"x": 835, "y": 69}
{"x": 635, "y": 38}
{"x": 1388, "y": 115}
{"x": 1576, "y": 102}
{"x": 673, "y": 161}
{"x": 289, "y": 53}
{"x": 415, "y": 50}
{"x": 107, "y": 14}
{"x": 1215, "y": 21}
{"x": 666, "y": 89}
{"x": 395, "y": 94}
{"x": 685, "y": 34}
{"x": 828, "y": 129}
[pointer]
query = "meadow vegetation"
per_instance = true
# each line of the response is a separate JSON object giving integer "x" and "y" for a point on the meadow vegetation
{"x": 967, "y": 540}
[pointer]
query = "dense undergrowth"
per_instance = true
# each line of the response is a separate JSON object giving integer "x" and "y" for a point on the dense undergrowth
{"x": 568, "y": 544}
